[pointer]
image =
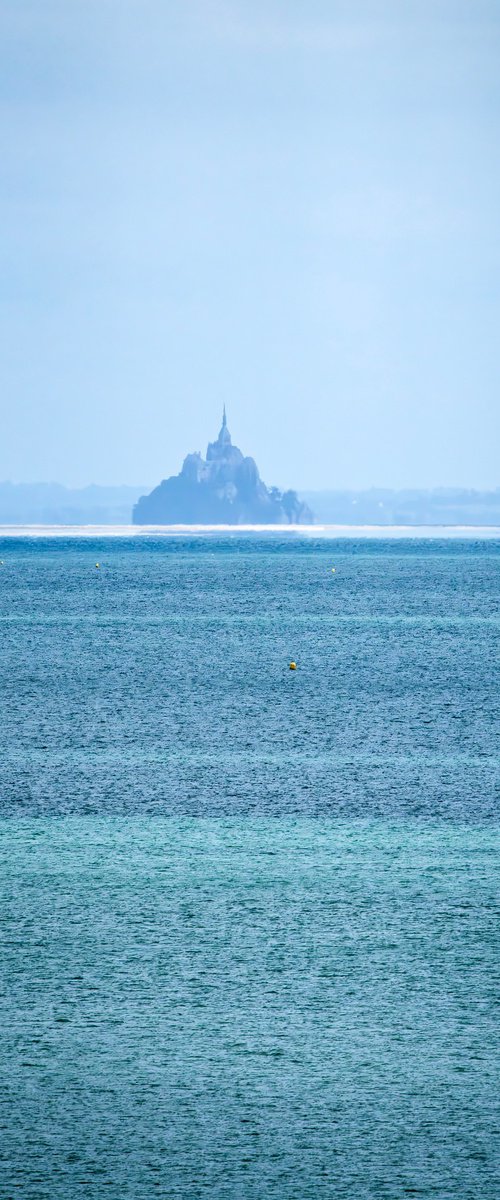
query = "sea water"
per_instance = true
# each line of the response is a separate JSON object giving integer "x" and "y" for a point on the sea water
{"x": 249, "y": 916}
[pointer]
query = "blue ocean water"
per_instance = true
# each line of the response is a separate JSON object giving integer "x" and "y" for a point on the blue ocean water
{"x": 249, "y": 916}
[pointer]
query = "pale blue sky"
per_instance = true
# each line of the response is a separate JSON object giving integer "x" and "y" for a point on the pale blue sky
{"x": 289, "y": 205}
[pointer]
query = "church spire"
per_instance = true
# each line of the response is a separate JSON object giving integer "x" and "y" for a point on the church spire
{"x": 224, "y": 435}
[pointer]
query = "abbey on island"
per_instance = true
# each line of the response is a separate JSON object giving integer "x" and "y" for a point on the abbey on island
{"x": 225, "y": 488}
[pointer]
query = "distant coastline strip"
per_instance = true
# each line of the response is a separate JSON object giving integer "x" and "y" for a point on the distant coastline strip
{"x": 383, "y": 532}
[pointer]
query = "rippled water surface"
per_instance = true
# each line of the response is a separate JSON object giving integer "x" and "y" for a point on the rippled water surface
{"x": 249, "y": 916}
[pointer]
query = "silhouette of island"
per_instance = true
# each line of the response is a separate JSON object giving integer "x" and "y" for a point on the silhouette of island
{"x": 53, "y": 504}
{"x": 223, "y": 489}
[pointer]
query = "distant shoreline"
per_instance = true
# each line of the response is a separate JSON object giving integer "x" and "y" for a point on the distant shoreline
{"x": 323, "y": 530}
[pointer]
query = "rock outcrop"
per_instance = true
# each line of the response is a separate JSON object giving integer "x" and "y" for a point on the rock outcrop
{"x": 223, "y": 489}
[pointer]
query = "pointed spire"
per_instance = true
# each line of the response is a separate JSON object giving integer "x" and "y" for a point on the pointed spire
{"x": 224, "y": 438}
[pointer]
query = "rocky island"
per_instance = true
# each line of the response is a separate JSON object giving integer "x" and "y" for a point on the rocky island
{"x": 223, "y": 489}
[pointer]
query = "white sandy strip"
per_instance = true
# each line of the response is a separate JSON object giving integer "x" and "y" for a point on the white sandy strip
{"x": 330, "y": 531}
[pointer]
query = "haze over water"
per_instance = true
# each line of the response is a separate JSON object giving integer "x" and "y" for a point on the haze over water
{"x": 249, "y": 916}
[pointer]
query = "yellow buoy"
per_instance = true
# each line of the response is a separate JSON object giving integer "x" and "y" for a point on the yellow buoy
{"x": 98, "y": 565}
{"x": 293, "y": 666}
{"x": 333, "y": 570}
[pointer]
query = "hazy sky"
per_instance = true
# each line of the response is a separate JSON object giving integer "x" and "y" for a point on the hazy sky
{"x": 292, "y": 206}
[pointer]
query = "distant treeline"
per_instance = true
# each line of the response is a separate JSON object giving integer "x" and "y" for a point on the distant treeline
{"x": 380, "y": 506}
{"x": 53, "y": 504}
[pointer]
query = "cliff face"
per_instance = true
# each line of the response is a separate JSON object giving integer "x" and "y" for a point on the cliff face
{"x": 223, "y": 489}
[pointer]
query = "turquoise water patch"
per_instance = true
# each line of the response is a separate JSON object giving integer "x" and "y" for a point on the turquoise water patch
{"x": 262, "y": 1008}
{"x": 249, "y": 917}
